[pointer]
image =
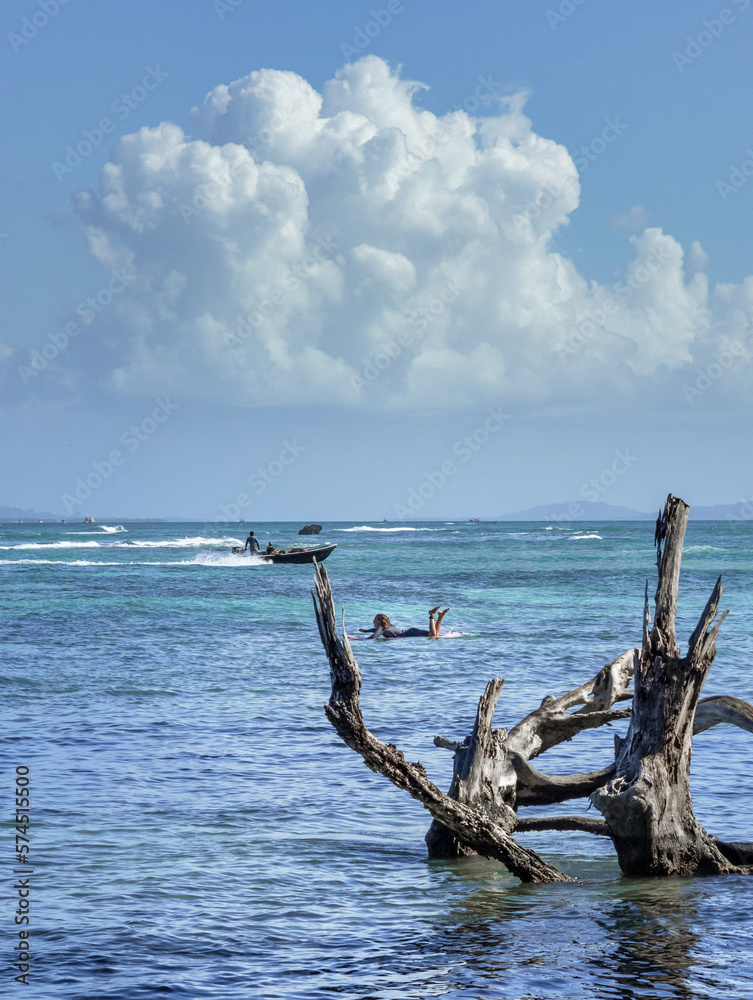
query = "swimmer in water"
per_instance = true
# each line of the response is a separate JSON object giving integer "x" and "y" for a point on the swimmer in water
{"x": 384, "y": 629}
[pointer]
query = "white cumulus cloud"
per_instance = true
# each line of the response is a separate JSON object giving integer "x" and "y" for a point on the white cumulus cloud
{"x": 298, "y": 238}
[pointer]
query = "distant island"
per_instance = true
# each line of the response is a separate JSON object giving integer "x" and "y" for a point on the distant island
{"x": 568, "y": 510}
{"x": 584, "y": 510}
{"x": 19, "y": 514}
{"x": 26, "y": 514}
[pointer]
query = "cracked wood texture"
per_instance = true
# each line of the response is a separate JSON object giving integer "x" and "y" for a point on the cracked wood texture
{"x": 647, "y": 805}
{"x": 482, "y": 832}
{"x": 644, "y": 796}
{"x": 491, "y": 769}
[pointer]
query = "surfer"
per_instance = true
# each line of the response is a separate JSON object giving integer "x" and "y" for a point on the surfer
{"x": 384, "y": 629}
{"x": 252, "y": 543}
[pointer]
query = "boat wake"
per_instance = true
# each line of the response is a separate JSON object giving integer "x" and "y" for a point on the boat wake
{"x": 167, "y": 543}
{"x": 212, "y": 559}
{"x": 225, "y": 559}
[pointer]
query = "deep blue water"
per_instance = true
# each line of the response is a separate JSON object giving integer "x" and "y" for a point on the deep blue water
{"x": 198, "y": 829}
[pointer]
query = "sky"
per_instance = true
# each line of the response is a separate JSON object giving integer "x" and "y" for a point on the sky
{"x": 404, "y": 260}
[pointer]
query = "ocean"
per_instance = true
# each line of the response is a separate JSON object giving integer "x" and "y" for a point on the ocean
{"x": 197, "y": 829}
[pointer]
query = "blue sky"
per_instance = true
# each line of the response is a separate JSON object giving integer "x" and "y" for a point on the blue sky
{"x": 543, "y": 253}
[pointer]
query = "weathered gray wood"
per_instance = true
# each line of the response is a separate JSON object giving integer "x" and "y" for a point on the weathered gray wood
{"x": 647, "y": 805}
{"x": 722, "y": 708}
{"x": 644, "y": 796}
{"x": 483, "y": 777}
{"x": 491, "y": 771}
{"x": 580, "y": 824}
{"x": 670, "y": 533}
{"x": 473, "y": 827}
{"x": 737, "y": 853}
{"x": 534, "y": 788}
{"x": 551, "y": 723}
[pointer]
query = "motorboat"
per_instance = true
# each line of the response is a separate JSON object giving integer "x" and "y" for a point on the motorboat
{"x": 297, "y": 556}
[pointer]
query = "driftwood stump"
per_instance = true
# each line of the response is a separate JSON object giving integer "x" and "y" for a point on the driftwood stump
{"x": 647, "y": 805}
{"x": 644, "y": 795}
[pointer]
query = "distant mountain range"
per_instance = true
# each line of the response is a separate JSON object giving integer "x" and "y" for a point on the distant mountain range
{"x": 568, "y": 510}
{"x": 18, "y": 514}
{"x": 583, "y": 510}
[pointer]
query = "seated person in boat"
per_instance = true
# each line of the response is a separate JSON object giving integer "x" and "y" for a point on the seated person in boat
{"x": 252, "y": 543}
{"x": 384, "y": 629}
{"x": 272, "y": 551}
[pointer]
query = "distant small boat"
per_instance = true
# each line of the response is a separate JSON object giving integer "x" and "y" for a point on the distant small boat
{"x": 89, "y": 520}
{"x": 475, "y": 520}
{"x": 303, "y": 556}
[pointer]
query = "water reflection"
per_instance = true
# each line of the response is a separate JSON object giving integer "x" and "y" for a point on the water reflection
{"x": 653, "y": 932}
{"x": 608, "y": 937}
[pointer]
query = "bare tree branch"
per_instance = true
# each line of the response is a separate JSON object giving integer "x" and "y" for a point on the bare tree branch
{"x": 471, "y": 826}
{"x": 581, "y": 824}
{"x": 538, "y": 789}
{"x": 550, "y": 724}
{"x": 722, "y": 708}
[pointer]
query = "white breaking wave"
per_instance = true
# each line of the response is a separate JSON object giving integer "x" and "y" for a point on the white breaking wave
{"x": 167, "y": 543}
{"x": 200, "y": 559}
{"x": 65, "y": 562}
{"x": 220, "y": 559}
{"x": 177, "y": 543}
{"x": 365, "y": 527}
{"x": 107, "y": 528}
{"x": 52, "y": 545}
{"x": 580, "y": 537}
{"x": 100, "y": 527}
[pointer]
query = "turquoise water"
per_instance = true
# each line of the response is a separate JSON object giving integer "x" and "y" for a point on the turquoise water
{"x": 198, "y": 829}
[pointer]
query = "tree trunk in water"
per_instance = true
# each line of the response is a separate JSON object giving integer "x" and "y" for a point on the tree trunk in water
{"x": 644, "y": 795}
{"x": 647, "y": 805}
{"x": 483, "y": 831}
{"x": 483, "y": 777}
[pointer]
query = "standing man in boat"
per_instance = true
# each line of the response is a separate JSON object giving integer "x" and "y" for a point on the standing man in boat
{"x": 252, "y": 543}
